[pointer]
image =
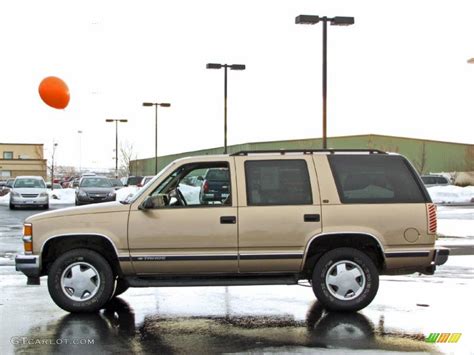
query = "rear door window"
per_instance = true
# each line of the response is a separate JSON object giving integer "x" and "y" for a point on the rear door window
{"x": 277, "y": 182}
{"x": 375, "y": 179}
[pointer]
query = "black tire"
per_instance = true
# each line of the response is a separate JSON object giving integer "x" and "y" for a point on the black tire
{"x": 350, "y": 300}
{"x": 120, "y": 287}
{"x": 12, "y": 206}
{"x": 46, "y": 207}
{"x": 101, "y": 284}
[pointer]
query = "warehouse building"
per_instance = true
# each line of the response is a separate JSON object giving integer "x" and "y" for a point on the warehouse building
{"x": 426, "y": 155}
{"x": 21, "y": 159}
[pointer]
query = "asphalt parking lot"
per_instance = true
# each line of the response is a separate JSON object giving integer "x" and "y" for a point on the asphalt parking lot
{"x": 236, "y": 319}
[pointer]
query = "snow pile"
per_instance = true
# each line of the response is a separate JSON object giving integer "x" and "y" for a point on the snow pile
{"x": 190, "y": 193}
{"x": 451, "y": 194}
{"x": 125, "y": 192}
{"x": 5, "y": 200}
{"x": 62, "y": 196}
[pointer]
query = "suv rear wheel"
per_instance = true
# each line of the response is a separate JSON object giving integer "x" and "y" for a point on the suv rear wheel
{"x": 345, "y": 279}
{"x": 80, "y": 280}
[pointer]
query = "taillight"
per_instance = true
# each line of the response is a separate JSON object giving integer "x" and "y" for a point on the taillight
{"x": 28, "y": 238}
{"x": 205, "y": 186}
{"x": 432, "y": 224}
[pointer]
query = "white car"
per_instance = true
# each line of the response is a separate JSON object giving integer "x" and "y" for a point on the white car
{"x": 29, "y": 191}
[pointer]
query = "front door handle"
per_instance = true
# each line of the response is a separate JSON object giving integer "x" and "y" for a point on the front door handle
{"x": 228, "y": 220}
{"x": 312, "y": 218}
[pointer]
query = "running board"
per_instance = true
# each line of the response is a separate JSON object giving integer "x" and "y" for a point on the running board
{"x": 178, "y": 281}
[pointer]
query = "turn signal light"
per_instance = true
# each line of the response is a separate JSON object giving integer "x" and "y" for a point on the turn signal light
{"x": 28, "y": 238}
{"x": 27, "y": 230}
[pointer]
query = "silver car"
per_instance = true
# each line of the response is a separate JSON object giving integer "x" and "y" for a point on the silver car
{"x": 29, "y": 191}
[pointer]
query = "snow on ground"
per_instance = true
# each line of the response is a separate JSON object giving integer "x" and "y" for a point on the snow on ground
{"x": 124, "y": 192}
{"x": 451, "y": 194}
{"x": 459, "y": 228}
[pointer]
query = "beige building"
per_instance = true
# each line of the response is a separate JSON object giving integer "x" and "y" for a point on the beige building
{"x": 21, "y": 159}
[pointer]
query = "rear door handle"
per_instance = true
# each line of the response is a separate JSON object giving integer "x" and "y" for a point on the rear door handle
{"x": 312, "y": 218}
{"x": 228, "y": 220}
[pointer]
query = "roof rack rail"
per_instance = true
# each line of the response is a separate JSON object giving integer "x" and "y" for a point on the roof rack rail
{"x": 307, "y": 151}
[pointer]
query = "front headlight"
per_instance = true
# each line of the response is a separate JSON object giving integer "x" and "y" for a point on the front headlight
{"x": 16, "y": 194}
{"x": 111, "y": 194}
{"x": 82, "y": 193}
{"x": 43, "y": 194}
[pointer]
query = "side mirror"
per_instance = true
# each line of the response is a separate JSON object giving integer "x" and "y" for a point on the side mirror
{"x": 154, "y": 202}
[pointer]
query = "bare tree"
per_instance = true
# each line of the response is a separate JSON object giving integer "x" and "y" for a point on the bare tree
{"x": 421, "y": 163}
{"x": 126, "y": 155}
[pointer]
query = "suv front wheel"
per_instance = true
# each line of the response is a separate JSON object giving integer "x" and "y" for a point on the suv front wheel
{"x": 80, "y": 280}
{"x": 345, "y": 279}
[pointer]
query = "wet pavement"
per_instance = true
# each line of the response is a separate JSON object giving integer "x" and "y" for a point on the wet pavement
{"x": 249, "y": 319}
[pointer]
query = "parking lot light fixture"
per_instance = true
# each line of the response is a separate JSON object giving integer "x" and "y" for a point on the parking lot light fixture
{"x": 225, "y": 66}
{"x": 334, "y": 21}
{"x": 116, "y": 141}
{"x": 52, "y": 165}
{"x": 156, "y": 104}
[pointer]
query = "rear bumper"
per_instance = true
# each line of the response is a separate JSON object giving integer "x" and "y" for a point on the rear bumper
{"x": 407, "y": 262}
{"x": 441, "y": 255}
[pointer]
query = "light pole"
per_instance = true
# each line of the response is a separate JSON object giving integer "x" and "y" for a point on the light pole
{"x": 116, "y": 141}
{"x": 80, "y": 151}
{"x": 52, "y": 165}
{"x": 156, "y": 104}
{"x": 335, "y": 21}
{"x": 225, "y": 66}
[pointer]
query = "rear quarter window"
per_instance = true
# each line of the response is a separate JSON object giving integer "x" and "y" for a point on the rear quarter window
{"x": 376, "y": 179}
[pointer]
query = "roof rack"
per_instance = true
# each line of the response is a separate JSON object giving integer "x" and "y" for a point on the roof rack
{"x": 307, "y": 151}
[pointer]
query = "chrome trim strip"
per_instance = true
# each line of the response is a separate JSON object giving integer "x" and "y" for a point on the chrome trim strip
{"x": 271, "y": 256}
{"x": 407, "y": 254}
{"x": 189, "y": 257}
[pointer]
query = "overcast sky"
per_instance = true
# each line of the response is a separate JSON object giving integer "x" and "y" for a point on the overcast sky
{"x": 400, "y": 70}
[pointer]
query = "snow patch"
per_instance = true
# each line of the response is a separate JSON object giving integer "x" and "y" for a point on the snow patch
{"x": 451, "y": 194}
{"x": 125, "y": 192}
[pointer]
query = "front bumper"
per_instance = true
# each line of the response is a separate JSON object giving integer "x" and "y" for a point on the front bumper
{"x": 83, "y": 200}
{"x": 24, "y": 201}
{"x": 30, "y": 266}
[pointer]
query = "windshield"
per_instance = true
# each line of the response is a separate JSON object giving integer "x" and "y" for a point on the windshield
{"x": 29, "y": 183}
{"x": 95, "y": 182}
{"x": 133, "y": 196}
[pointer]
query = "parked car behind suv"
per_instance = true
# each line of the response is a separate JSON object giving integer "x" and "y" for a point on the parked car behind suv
{"x": 215, "y": 186}
{"x": 434, "y": 180}
{"x": 29, "y": 191}
{"x": 94, "y": 189}
{"x": 338, "y": 219}
{"x": 131, "y": 180}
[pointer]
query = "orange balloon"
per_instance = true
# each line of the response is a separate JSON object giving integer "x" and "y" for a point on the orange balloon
{"x": 54, "y": 92}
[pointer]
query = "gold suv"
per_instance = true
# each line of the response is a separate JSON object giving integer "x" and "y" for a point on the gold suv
{"x": 337, "y": 218}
